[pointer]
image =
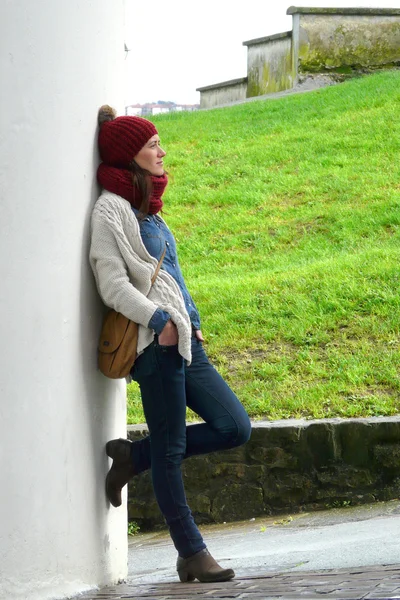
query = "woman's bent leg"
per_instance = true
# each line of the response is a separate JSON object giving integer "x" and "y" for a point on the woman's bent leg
{"x": 226, "y": 422}
{"x": 160, "y": 373}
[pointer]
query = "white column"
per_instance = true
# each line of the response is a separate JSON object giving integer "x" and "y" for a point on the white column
{"x": 59, "y": 61}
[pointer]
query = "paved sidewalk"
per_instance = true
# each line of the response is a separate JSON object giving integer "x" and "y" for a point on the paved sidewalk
{"x": 348, "y": 553}
{"x": 370, "y": 583}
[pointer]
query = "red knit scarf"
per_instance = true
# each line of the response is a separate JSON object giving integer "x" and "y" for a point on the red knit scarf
{"x": 119, "y": 181}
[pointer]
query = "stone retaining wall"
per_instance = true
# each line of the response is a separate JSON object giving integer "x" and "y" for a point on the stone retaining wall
{"x": 226, "y": 92}
{"x": 287, "y": 466}
{"x": 269, "y": 64}
{"x": 346, "y": 40}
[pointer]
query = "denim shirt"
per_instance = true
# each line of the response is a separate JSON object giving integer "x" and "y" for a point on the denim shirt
{"x": 156, "y": 236}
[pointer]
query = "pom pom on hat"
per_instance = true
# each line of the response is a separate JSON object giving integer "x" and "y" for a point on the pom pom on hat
{"x": 106, "y": 113}
{"x": 121, "y": 138}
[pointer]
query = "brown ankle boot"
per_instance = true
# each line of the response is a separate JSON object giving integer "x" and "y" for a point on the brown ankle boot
{"x": 203, "y": 567}
{"x": 121, "y": 469}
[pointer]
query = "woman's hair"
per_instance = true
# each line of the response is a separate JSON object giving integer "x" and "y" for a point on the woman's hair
{"x": 141, "y": 180}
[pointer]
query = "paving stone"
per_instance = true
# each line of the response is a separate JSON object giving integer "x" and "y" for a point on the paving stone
{"x": 369, "y": 583}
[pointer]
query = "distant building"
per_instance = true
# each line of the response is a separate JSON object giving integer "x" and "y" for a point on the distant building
{"x": 134, "y": 110}
{"x": 143, "y": 110}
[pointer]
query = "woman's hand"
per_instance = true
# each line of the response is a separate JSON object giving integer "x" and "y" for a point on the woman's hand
{"x": 199, "y": 335}
{"x": 169, "y": 335}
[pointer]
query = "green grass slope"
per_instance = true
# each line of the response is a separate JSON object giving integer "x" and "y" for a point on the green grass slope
{"x": 287, "y": 216}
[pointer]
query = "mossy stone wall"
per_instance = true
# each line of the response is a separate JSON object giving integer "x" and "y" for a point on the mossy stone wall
{"x": 269, "y": 66}
{"x": 322, "y": 39}
{"x": 339, "y": 41}
{"x": 286, "y": 466}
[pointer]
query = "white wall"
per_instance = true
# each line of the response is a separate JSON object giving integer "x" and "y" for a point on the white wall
{"x": 59, "y": 61}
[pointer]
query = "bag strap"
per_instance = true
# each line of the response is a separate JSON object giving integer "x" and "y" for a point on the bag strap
{"x": 158, "y": 266}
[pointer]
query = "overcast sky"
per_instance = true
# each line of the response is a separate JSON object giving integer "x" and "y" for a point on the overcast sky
{"x": 177, "y": 46}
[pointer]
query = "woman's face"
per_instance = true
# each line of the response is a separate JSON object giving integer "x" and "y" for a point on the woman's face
{"x": 150, "y": 156}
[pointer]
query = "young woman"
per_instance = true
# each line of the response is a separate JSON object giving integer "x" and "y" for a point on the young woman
{"x": 172, "y": 369}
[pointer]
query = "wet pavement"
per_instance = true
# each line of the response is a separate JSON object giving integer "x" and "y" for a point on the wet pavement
{"x": 341, "y": 553}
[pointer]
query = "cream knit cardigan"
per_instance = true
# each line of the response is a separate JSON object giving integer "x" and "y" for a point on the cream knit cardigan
{"x": 123, "y": 269}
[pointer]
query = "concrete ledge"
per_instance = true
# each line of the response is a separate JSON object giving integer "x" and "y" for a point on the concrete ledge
{"x": 293, "y": 10}
{"x": 223, "y": 84}
{"x": 287, "y": 466}
{"x": 268, "y": 38}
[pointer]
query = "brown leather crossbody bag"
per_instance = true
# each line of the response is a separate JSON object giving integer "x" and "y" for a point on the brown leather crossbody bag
{"x": 117, "y": 350}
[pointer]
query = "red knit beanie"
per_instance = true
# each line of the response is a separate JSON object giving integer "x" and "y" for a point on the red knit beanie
{"x": 121, "y": 138}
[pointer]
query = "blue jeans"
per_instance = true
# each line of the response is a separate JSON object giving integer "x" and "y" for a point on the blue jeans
{"x": 167, "y": 386}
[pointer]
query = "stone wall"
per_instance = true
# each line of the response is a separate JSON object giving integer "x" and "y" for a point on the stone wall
{"x": 322, "y": 39}
{"x": 226, "y": 92}
{"x": 269, "y": 64}
{"x": 286, "y": 466}
{"x": 345, "y": 39}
